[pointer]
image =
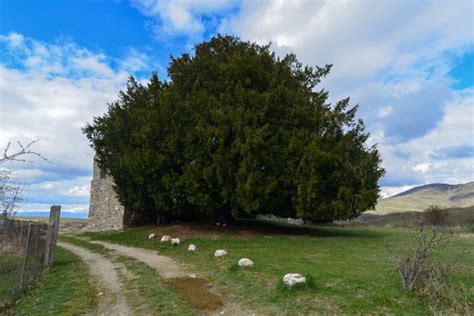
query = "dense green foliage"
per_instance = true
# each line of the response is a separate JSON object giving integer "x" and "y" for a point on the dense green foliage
{"x": 237, "y": 129}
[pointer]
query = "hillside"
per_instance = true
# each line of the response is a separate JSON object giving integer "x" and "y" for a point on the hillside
{"x": 419, "y": 198}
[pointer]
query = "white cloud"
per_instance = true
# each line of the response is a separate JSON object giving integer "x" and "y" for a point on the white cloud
{"x": 391, "y": 191}
{"x": 362, "y": 38}
{"x": 14, "y": 40}
{"x": 187, "y": 18}
{"x": 393, "y": 59}
{"x": 93, "y": 64}
{"x": 52, "y": 98}
{"x": 422, "y": 168}
{"x": 135, "y": 61}
{"x": 48, "y": 186}
{"x": 49, "y": 91}
{"x": 44, "y": 207}
{"x": 78, "y": 191}
{"x": 417, "y": 160}
{"x": 384, "y": 111}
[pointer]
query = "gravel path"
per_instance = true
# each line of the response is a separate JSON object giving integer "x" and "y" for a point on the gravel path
{"x": 165, "y": 266}
{"x": 168, "y": 268}
{"x": 112, "y": 301}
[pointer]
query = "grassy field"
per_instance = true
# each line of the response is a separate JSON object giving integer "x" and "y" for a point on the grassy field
{"x": 65, "y": 224}
{"x": 351, "y": 268}
{"x": 64, "y": 289}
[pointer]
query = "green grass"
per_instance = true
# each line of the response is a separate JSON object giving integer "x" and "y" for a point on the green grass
{"x": 350, "y": 267}
{"x": 64, "y": 289}
{"x": 145, "y": 291}
{"x": 9, "y": 277}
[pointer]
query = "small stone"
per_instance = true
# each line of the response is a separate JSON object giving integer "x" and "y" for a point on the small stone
{"x": 175, "y": 241}
{"x": 245, "y": 262}
{"x": 192, "y": 275}
{"x": 291, "y": 279}
{"x": 220, "y": 253}
{"x": 165, "y": 238}
{"x": 192, "y": 247}
{"x": 151, "y": 236}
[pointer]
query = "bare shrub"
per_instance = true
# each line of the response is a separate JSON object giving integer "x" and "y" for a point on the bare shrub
{"x": 436, "y": 216}
{"x": 421, "y": 270}
{"x": 413, "y": 266}
{"x": 11, "y": 194}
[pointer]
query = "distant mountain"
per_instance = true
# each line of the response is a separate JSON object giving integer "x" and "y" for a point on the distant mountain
{"x": 419, "y": 198}
{"x": 46, "y": 214}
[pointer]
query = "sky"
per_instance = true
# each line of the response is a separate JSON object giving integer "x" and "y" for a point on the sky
{"x": 409, "y": 65}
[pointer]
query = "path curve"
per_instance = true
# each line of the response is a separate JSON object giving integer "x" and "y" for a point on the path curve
{"x": 167, "y": 268}
{"x": 113, "y": 301}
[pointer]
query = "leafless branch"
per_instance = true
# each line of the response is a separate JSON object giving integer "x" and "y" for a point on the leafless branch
{"x": 24, "y": 151}
{"x": 413, "y": 265}
{"x": 11, "y": 194}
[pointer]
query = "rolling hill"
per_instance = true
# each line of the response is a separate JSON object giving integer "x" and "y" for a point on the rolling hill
{"x": 419, "y": 198}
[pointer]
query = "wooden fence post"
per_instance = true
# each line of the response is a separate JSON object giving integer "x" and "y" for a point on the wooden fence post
{"x": 52, "y": 235}
{"x": 25, "y": 256}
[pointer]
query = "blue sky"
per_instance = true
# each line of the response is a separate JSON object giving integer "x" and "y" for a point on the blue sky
{"x": 408, "y": 64}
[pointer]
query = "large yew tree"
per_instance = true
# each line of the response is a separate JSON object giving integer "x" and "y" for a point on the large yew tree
{"x": 237, "y": 130}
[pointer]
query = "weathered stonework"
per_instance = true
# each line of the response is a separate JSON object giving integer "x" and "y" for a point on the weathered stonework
{"x": 105, "y": 211}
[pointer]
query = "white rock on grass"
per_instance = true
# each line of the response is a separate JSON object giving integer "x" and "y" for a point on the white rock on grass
{"x": 151, "y": 236}
{"x": 245, "y": 262}
{"x": 220, "y": 253}
{"x": 175, "y": 241}
{"x": 192, "y": 247}
{"x": 165, "y": 238}
{"x": 291, "y": 279}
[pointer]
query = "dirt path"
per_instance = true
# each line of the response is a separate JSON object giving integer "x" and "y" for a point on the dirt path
{"x": 165, "y": 266}
{"x": 169, "y": 269}
{"x": 112, "y": 301}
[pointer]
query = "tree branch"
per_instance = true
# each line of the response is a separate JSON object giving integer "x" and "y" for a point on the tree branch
{"x": 25, "y": 150}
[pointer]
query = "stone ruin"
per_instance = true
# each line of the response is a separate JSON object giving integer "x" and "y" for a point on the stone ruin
{"x": 105, "y": 210}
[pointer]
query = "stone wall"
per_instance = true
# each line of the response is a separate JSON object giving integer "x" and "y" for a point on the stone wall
{"x": 105, "y": 211}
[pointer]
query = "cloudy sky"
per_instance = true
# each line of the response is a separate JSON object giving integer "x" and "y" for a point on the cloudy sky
{"x": 408, "y": 64}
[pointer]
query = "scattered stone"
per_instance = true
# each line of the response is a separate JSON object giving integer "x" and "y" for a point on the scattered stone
{"x": 165, "y": 238}
{"x": 291, "y": 279}
{"x": 192, "y": 247}
{"x": 220, "y": 253}
{"x": 175, "y": 241}
{"x": 192, "y": 275}
{"x": 151, "y": 236}
{"x": 245, "y": 262}
{"x": 289, "y": 220}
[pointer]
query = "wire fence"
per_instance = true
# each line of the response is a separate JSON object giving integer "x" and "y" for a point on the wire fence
{"x": 22, "y": 254}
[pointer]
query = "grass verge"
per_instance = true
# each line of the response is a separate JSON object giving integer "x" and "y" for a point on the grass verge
{"x": 9, "y": 277}
{"x": 64, "y": 289}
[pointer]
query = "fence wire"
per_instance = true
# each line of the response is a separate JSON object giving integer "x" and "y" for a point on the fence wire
{"x": 22, "y": 251}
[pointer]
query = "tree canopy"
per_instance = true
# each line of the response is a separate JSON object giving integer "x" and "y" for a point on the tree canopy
{"x": 236, "y": 129}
